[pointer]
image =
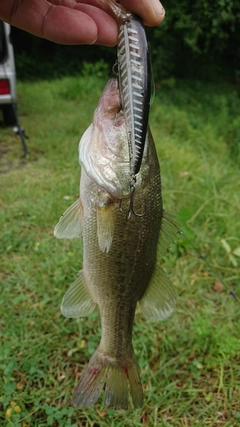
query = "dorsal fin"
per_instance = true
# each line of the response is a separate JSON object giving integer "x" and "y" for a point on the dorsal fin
{"x": 170, "y": 227}
{"x": 159, "y": 299}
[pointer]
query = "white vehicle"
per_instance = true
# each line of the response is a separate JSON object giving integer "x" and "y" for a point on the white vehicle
{"x": 8, "y": 94}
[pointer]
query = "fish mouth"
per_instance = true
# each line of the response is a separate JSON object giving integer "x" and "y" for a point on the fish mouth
{"x": 109, "y": 103}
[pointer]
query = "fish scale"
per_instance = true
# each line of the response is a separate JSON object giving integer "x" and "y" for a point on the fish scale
{"x": 134, "y": 84}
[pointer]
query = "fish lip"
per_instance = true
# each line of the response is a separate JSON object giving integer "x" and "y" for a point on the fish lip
{"x": 109, "y": 102}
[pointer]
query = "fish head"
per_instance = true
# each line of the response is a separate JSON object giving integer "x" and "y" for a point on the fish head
{"x": 103, "y": 149}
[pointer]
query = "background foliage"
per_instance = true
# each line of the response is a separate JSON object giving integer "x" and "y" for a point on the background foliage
{"x": 189, "y": 364}
{"x": 197, "y": 39}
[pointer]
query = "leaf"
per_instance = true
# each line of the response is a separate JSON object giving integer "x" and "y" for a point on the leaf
{"x": 233, "y": 260}
{"x": 236, "y": 251}
{"x": 50, "y": 420}
{"x": 209, "y": 397}
{"x": 226, "y": 246}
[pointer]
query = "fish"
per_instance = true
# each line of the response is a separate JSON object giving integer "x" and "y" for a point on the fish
{"x": 121, "y": 255}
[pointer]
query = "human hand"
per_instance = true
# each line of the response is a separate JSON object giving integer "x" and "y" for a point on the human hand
{"x": 75, "y": 21}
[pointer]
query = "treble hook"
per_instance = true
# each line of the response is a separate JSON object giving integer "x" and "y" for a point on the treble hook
{"x": 115, "y": 68}
{"x": 131, "y": 210}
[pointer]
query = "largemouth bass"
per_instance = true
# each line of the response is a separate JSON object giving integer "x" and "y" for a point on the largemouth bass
{"x": 120, "y": 262}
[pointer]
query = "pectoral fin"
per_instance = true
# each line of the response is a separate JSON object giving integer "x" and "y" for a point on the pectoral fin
{"x": 159, "y": 299}
{"x": 69, "y": 226}
{"x": 105, "y": 227}
{"x": 77, "y": 301}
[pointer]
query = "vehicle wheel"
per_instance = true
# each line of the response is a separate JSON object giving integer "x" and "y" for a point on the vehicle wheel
{"x": 9, "y": 115}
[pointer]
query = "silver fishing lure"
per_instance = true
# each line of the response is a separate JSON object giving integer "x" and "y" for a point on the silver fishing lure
{"x": 134, "y": 84}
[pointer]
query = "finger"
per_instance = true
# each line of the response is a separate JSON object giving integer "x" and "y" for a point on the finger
{"x": 151, "y": 11}
{"x": 62, "y": 24}
{"x": 67, "y": 26}
{"x": 107, "y": 31}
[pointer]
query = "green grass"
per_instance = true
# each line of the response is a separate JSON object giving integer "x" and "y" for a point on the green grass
{"x": 190, "y": 363}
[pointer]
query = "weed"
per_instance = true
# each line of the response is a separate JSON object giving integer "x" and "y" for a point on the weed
{"x": 189, "y": 363}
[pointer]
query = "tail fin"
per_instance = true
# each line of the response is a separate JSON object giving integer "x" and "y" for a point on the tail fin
{"x": 103, "y": 370}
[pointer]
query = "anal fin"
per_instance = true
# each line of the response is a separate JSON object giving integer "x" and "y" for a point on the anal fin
{"x": 77, "y": 302}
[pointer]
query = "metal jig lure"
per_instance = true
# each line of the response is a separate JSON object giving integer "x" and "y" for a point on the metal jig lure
{"x": 134, "y": 84}
{"x": 134, "y": 75}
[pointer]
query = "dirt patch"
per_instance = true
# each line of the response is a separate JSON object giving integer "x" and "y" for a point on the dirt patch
{"x": 11, "y": 153}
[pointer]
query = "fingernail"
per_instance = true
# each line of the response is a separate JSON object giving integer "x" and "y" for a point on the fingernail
{"x": 159, "y": 9}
